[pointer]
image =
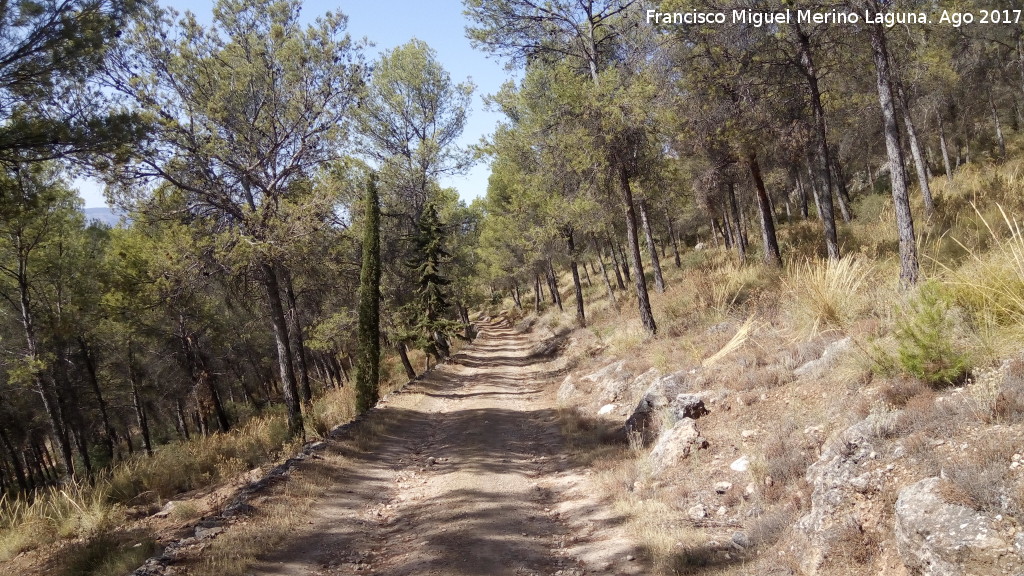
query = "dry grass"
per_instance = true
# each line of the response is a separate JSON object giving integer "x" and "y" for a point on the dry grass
{"x": 735, "y": 343}
{"x": 199, "y": 462}
{"x": 827, "y": 295}
{"x": 990, "y": 284}
{"x": 236, "y": 551}
{"x": 985, "y": 479}
{"x": 74, "y": 510}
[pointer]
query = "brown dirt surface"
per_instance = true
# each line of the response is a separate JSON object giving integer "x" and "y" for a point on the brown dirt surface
{"x": 467, "y": 474}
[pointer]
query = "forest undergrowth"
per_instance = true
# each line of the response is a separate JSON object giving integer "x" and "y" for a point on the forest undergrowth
{"x": 91, "y": 516}
{"x": 747, "y": 327}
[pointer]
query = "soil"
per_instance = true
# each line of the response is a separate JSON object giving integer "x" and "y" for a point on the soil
{"x": 470, "y": 476}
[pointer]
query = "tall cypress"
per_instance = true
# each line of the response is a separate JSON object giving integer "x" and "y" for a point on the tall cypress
{"x": 433, "y": 303}
{"x": 368, "y": 361}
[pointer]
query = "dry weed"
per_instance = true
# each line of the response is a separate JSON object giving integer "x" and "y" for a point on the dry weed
{"x": 827, "y": 294}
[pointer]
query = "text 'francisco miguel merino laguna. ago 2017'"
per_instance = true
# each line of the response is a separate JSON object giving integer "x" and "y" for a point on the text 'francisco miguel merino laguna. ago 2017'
{"x": 758, "y": 19}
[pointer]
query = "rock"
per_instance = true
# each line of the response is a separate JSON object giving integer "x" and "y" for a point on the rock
{"x": 205, "y": 532}
{"x": 567, "y": 391}
{"x": 748, "y": 433}
{"x": 663, "y": 403}
{"x": 938, "y": 538}
{"x": 751, "y": 489}
{"x": 828, "y": 358}
{"x": 167, "y": 509}
{"x": 741, "y": 540}
{"x": 697, "y": 512}
{"x": 239, "y": 508}
{"x": 839, "y": 480}
{"x": 674, "y": 445}
{"x": 688, "y": 406}
{"x": 606, "y": 409}
{"x": 611, "y": 382}
{"x": 741, "y": 464}
{"x": 722, "y": 487}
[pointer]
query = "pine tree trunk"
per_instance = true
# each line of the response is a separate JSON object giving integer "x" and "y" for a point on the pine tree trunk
{"x": 515, "y": 296}
{"x": 140, "y": 414}
{"x": 615, "y": 266}
{"x": 772, "y": 256}
{"x": 909, "y": 269}
{"x": 296, "y": 339}
{"x": 802, "y": 192}
{"x": 403, "y": 354}
{"x": 43, "y": 472}
{"x": 537, "y": 291}
{"x": 645, "y": 223}
{"x": 285, "y": 364}
{"x": 570, "y": 242}
{"x": 624, "y": 262}
{"x": 94, "y": 384}
{"x": 368, "y": 370}
{"x": 841, "y": 187}
{"x": 82, "y": 444}
{"x": 642, "y": 296}
{"x": 47, "y": 393}
{"x": 945, "y": 151}
{"x": 844, "y": 204}
{"x": 738, "y": 241}
{"x": 999, "y": 129}
{"x": 915, "y": 151}
{"x": 675, "y": 241}
{"x": 179, "y": 414}
{"x": 824, "y": 163}
{"x": 19, "y": 471}
{"x": 604, "y": 273}
{"x": 823, "y": 204}
{"x": 556, "y": 294}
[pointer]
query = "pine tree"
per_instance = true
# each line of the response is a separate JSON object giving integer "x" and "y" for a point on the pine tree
{"x": 368, "y": 363}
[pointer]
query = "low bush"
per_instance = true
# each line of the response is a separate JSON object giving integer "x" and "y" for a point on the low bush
{"x": 926, "y": 346}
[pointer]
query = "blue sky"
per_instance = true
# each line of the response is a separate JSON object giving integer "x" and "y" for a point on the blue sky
{"x": 388, "y": 24}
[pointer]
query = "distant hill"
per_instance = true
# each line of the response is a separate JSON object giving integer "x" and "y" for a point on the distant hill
{"x": 104, "y": 215}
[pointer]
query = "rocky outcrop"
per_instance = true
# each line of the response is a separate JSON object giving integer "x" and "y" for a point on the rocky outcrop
{"x": 674, "y": 445}
{"x": 939, "y": 538}
{"x": 828, "y": 359}
{"x": 609, "y": 385}
{"x": 664, "y": 403}
{"x": 843, "y": 482}
{"x": 611, "y": 382}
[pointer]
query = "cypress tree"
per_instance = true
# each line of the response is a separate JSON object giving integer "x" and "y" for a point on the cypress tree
{"x": 432, "y": 301}
{"x": 368, "y": 362}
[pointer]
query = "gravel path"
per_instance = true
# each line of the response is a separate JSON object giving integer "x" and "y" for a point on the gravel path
{"x": 469, "y": 478}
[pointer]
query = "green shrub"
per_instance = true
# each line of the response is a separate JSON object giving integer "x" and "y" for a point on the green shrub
{"x": 925, "y": 342}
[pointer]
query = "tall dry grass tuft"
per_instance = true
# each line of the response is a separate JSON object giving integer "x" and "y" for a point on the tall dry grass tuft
{"x": 73, "y": 510}
{"x": 990, "y": 285}
{"x": 199, "y": 462}
{"x": 334, "y": 407}
{"x": 827, "y": 295}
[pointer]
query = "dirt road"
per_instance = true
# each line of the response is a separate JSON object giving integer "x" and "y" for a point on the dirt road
{"x": 469, "y": 477}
